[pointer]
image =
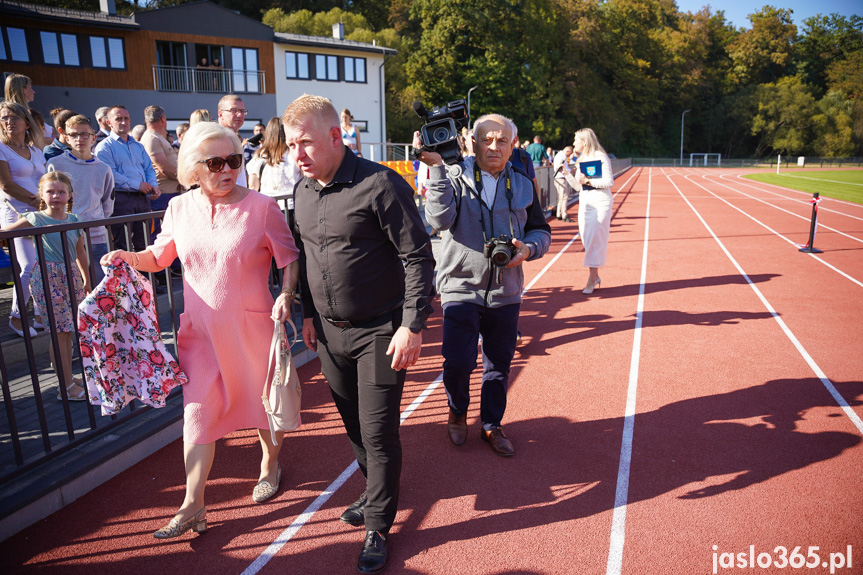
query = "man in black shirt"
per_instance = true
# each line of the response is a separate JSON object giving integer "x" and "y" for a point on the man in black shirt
{"x": 367, "y": 261}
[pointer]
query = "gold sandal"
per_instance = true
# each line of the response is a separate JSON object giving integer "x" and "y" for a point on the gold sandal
{"x": 197, "y": 523}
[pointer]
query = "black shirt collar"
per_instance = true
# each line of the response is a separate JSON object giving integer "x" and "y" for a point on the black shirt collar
{"x": 344, "y": 175}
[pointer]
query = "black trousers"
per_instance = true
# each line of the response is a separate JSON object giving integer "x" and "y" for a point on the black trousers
{"x": 126, "y": 204}
{"x": 368, "y": 392}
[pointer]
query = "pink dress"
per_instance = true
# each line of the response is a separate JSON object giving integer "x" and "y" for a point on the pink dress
{"x": 225, "y": 330}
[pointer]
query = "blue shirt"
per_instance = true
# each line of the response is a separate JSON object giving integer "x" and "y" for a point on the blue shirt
{"x": 52, "y": 243}
{"x": 128, "y": 161}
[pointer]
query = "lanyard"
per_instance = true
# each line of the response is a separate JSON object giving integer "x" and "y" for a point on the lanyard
{"x": 477, "y": 178}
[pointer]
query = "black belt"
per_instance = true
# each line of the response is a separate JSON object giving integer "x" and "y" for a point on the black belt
{"x": 130, "y": 192}
{"x": 586, "y": 187}
{"x": 344, "y": 324}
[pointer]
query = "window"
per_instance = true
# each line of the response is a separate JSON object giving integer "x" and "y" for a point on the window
{"x": 69, "y": 42}
{"x": 355, "y": 70}
{"x": 107, "y": 52}
{"x": 245, "y": 69}
{"x": 326, "y": 68}
{"x": 64, "y": 52}
{"x": 3, "y": 55}
{"x": 296, "y": 65}
{"x": 17, "y": 45}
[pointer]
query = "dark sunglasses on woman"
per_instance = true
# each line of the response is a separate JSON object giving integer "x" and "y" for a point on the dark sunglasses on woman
{"x": 216, "y": 164}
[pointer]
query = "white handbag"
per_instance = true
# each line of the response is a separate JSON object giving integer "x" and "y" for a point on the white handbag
{"x": 282, "y": 390}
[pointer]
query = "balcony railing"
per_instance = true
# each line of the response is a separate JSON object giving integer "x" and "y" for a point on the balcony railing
{"x": 209, "y": 80}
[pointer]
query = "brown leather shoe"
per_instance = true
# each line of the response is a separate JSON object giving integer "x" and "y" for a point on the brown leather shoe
{"x": 498, "y": 441}
{"x": 457, "y": 427}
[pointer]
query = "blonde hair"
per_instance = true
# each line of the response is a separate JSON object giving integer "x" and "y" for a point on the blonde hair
{"x": 33, "y": 136}
{"x": 61, "y": 177}
{"x": 77, "y": 120}
{"x": 318, "y": 107}
{"x": 227, "y": 98}
{"x": 200, "y": 115}
{"x": 190, "y": 150}
{"x": 591, "y": 143}
{"x": 15, "y": 86}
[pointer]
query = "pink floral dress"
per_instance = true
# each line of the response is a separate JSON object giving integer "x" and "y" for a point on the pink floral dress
{"x": 121, "y": 344}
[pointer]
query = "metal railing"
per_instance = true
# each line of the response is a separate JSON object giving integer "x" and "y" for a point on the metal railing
{"x": 34, "y": 427}
{"x": 208, "y": 80}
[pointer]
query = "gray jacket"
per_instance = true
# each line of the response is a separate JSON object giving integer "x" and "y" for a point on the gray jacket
{"x": 453, "y": 206}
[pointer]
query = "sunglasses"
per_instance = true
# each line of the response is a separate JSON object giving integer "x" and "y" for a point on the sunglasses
{"x": 216, "y": 164}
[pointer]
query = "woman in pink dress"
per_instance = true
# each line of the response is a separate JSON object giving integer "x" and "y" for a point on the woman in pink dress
{"x": 225, "y": 236}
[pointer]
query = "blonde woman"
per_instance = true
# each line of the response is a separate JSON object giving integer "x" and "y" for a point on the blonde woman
{"x": 22, "y": 163}
{"x": 200, "y": 115}
{"x": 225, "y": 237}
{"x": 594, "y": 177}
{"x": 19, "y": 89}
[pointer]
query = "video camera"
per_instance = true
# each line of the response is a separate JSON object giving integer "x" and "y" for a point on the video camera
{"x": 442, "y": 127}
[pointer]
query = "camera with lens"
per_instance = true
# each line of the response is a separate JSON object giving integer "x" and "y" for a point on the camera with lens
{"x": 442, "y": 127}
{"x": 500, "y": 250}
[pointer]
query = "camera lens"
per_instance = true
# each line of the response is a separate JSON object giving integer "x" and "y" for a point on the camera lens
{"x": 441, "y": 134}
{"x": 500, "y": 255}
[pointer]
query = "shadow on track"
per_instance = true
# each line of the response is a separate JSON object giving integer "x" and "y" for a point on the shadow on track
{"x": 566, "y": 470}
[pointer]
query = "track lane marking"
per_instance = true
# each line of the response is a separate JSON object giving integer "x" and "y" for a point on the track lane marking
{"x": 298, "y": 523}
{"x": 618, "y": 520}
{"x": 768, "y": 228}
{"x": 822, "y": 207}
{"x": 819, "y": 373}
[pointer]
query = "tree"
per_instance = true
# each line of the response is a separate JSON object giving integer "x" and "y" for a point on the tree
{"x": 784, "y": 120}
{"x": 834, "y": 126}
{"x": 763, "y": 53}
{"x": 511, "y": 49}
{"x": 826, "y": 40}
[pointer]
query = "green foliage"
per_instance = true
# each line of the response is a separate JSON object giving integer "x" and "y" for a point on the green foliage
{"x": 310, "y": 24}
{"x": 785, "y": 117}
{"x": 763, "y": 53}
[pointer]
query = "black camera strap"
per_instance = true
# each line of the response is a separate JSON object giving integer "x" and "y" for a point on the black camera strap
{"x": 477, "y": 178}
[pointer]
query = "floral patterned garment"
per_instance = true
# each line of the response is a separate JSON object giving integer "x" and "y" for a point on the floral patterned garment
{"x": 121, "y": 344}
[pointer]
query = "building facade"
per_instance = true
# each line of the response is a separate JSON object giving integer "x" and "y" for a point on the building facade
{"x": 184, "y": 58}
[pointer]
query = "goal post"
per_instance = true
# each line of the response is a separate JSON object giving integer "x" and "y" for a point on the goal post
{"x": 706, "y": 159}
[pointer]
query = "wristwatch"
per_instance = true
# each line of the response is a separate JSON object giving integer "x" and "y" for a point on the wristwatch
{"x": 415, "y": 329}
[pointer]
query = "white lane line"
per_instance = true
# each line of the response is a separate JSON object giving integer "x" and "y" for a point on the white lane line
{"x": 819, "y": 373}
{"x": 820, "y": 180}
{"x": 742, "y": 177}
{"x": 821, "y": 207}
{"x": 796, "y": 215}
{"x": 768, "y": 228}
{"x": 298, "y": 523}
{"x": 618, "y": 520}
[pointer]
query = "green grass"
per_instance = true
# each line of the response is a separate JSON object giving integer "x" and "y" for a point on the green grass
{"x": 841, "y": 184}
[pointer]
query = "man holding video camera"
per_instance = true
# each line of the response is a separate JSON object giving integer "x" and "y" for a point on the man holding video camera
{"x": 491, "y": 222}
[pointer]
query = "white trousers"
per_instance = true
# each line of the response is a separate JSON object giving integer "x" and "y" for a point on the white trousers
{"x": 594, "y": 224}
{"x": 562, "y": 188}
{"x": 25, "y": 252}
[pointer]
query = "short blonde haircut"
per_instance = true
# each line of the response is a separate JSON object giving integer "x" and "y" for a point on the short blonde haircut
{"x": 591, "y": 142}
{"x": 77, "y": 120}
{"x": 479, "y": 128}
{"x": 318, "y": 107}
{"x": 190, "y": 149}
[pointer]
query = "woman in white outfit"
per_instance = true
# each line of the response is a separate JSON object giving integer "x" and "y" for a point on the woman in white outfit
{"x": 594, "y": 206}
{"x": 22, "y": 164}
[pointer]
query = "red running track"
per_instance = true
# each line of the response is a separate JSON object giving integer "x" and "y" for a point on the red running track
{"x": 708, "y": 394}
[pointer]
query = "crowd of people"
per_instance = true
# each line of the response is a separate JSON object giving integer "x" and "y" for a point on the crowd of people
{"x": 353, "y": 239}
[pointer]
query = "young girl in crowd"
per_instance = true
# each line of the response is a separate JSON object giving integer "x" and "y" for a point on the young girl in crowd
{"x": 55, "y": 191}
